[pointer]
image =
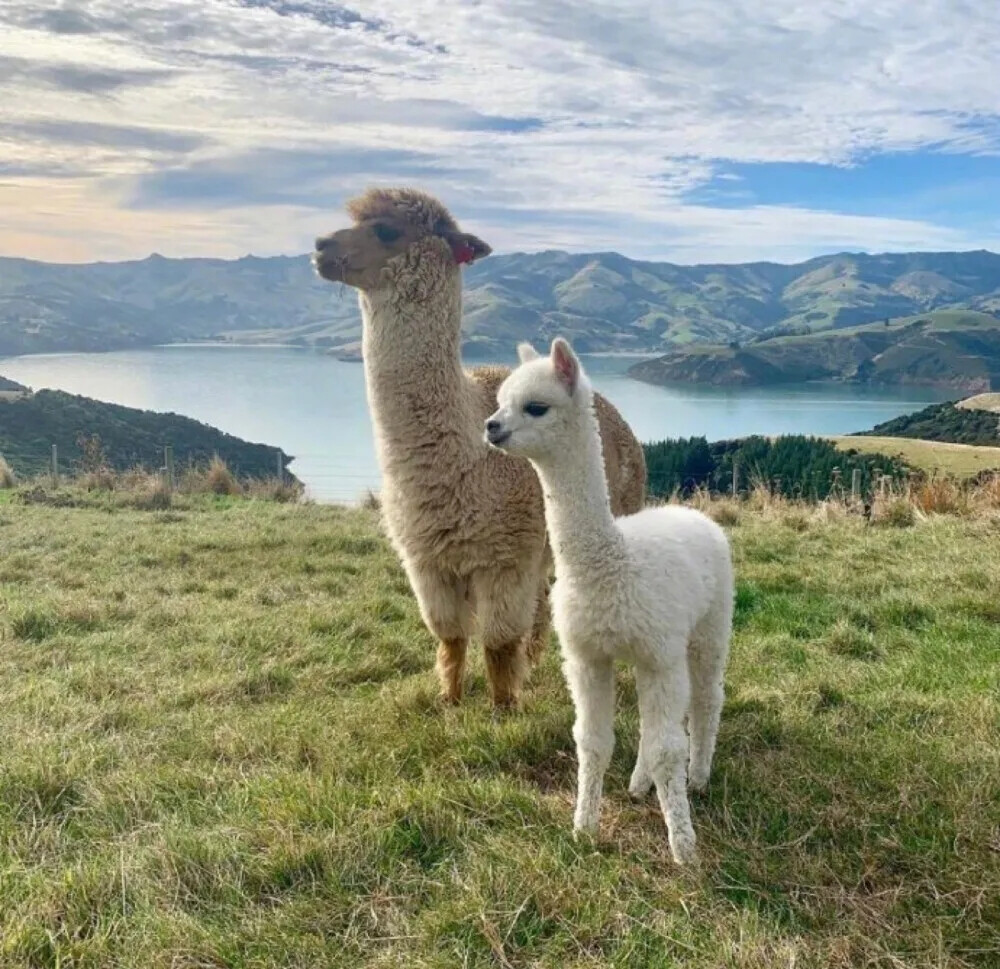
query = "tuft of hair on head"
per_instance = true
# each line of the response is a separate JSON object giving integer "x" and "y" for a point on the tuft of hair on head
{"x": 424, "y": 213}
{"x": 526, "y": 352}
{"x": 419, "y": 209}
{"x": 565, "y": 364}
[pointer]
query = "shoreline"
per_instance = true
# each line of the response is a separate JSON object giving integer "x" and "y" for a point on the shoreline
{"x": 481, "y": 361}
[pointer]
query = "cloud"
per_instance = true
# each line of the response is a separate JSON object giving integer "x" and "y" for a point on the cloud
{"x": 336, "y": 16}
{"x": 123, "y": 137}
{"x": 273, "y": 177}
{"x": 74, "y": 78}
{"x": 582, "y": 123}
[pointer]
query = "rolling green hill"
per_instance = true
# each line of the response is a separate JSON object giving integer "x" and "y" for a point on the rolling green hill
{"x": 602, "y": 301}
{"x": 951, "y": 348}
{"x": 29, "y": 426}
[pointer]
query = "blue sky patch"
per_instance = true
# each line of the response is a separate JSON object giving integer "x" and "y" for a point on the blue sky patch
{"x": 952, "y": 189}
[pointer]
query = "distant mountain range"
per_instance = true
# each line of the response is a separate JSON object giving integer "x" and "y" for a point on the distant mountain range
{"x": 603, "y": 301}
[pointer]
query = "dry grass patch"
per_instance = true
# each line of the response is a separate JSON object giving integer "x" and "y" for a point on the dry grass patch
{"x": 931, "y": 457}
{"x": 990, "y": 402}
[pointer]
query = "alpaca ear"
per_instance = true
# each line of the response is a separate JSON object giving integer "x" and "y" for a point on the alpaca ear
{"x": 565, "y": 363}
{"x": 526, "y": 353}
{"x": 466, "y": 247}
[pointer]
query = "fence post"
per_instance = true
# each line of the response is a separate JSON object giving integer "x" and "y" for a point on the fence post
{"x": 281, "y": 466}
{"x": 168, "y": 462}
{"x": 55, "y": 466}
{"x": 736, "y": 478}
{"x": 856, "y": 484}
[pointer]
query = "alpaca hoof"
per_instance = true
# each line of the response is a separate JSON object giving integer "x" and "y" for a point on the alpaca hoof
{"x": 639, "y": 788}
{"x": 698, "y": 783}
{"x": 684, "y": 849}
{"x": 501, "y": 711}
{"x": 584, "y": 831}
{"x": 449, "y": 699}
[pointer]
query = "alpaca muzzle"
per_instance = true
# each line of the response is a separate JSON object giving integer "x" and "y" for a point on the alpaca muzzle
{"x": 496, "y": 434}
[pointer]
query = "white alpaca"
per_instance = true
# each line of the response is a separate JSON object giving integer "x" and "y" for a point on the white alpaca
{"x": 654, "y": 588}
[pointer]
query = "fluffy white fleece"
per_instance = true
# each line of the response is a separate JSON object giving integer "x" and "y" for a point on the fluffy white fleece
{"x": 654, "y": 589}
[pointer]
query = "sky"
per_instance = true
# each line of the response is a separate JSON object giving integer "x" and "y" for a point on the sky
{"x": 686, "y": 131}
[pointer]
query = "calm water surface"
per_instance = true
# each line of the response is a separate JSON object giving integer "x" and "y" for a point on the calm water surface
{"x": 313, "y": 406}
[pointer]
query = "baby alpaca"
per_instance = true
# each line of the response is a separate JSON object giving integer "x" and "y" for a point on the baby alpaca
{"x": 654, "y": 589}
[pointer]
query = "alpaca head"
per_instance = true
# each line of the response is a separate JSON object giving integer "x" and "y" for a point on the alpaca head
{"x": 543, "y": 405}
{"x": 390, "y": 224}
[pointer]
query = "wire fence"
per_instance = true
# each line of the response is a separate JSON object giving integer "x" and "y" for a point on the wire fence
{"x": 329, "y": 481}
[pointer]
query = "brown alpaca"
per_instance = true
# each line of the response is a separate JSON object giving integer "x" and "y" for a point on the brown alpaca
{"x": 467, "y": 521}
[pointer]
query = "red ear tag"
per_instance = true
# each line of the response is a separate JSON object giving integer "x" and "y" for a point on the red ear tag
{"x": 463, "y": 253}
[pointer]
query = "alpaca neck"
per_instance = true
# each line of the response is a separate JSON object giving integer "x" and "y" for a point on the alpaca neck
{"x": 420, "y": 399}
{"x": 582, "y": 531}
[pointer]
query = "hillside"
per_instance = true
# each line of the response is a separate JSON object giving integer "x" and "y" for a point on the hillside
{"x": 948, "y": 348}
{"x": 29, "y": 426}
{"x": 222, "y": 748}
{"x": 603, "y": 301}
{"x": 943, "y": 422}
{"x": 11, "y": 386}
{"x": 990, "y": 402}
{"x": 931, "y": 457}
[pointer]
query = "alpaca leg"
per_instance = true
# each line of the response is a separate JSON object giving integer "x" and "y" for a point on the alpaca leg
{"x": 593, "y": 689}
{"x": 641, "y": 781}
{"x": 707, "y": 655}
{"x": 506, "y": 671}
{"x": 444, "y": 606}
{"x": 538, "y": 638}
{"x": 505, "y": 601}
{"x": 451, "y": 668}
{"x": 663, "y": 701}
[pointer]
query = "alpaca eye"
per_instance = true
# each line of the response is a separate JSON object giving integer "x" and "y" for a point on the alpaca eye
{"x": 534, "y": 409}
{"x": 386, "y": 233}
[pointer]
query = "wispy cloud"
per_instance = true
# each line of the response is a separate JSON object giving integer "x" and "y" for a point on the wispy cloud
{"x": 74, "y": 78}
{"x": 125, "y": 137}
{"x": 571, "y": 123}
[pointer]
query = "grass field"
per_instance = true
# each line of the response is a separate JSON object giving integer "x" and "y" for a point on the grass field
{"x": 221, "y": 748}
{"x": 961, "y": 460}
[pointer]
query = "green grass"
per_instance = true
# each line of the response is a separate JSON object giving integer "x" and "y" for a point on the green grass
{"x": 941, "y": 457}
{"x": 221, "y": 747}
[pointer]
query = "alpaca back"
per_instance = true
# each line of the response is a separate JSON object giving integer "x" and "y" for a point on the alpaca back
{"x": 681, "y": 564}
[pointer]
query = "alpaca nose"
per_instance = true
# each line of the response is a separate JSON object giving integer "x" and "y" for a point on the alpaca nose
{"x": 324, "y": 242}
{"x": 495, "y": 434}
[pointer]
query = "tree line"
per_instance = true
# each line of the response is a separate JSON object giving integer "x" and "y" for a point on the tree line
{"x": 793, "y": 465}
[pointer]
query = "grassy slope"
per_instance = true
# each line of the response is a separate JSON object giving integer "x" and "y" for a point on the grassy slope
{"x": 963, "y": 460}
{"x": 221, "y": 748}
{"x": 988, "y": 402}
